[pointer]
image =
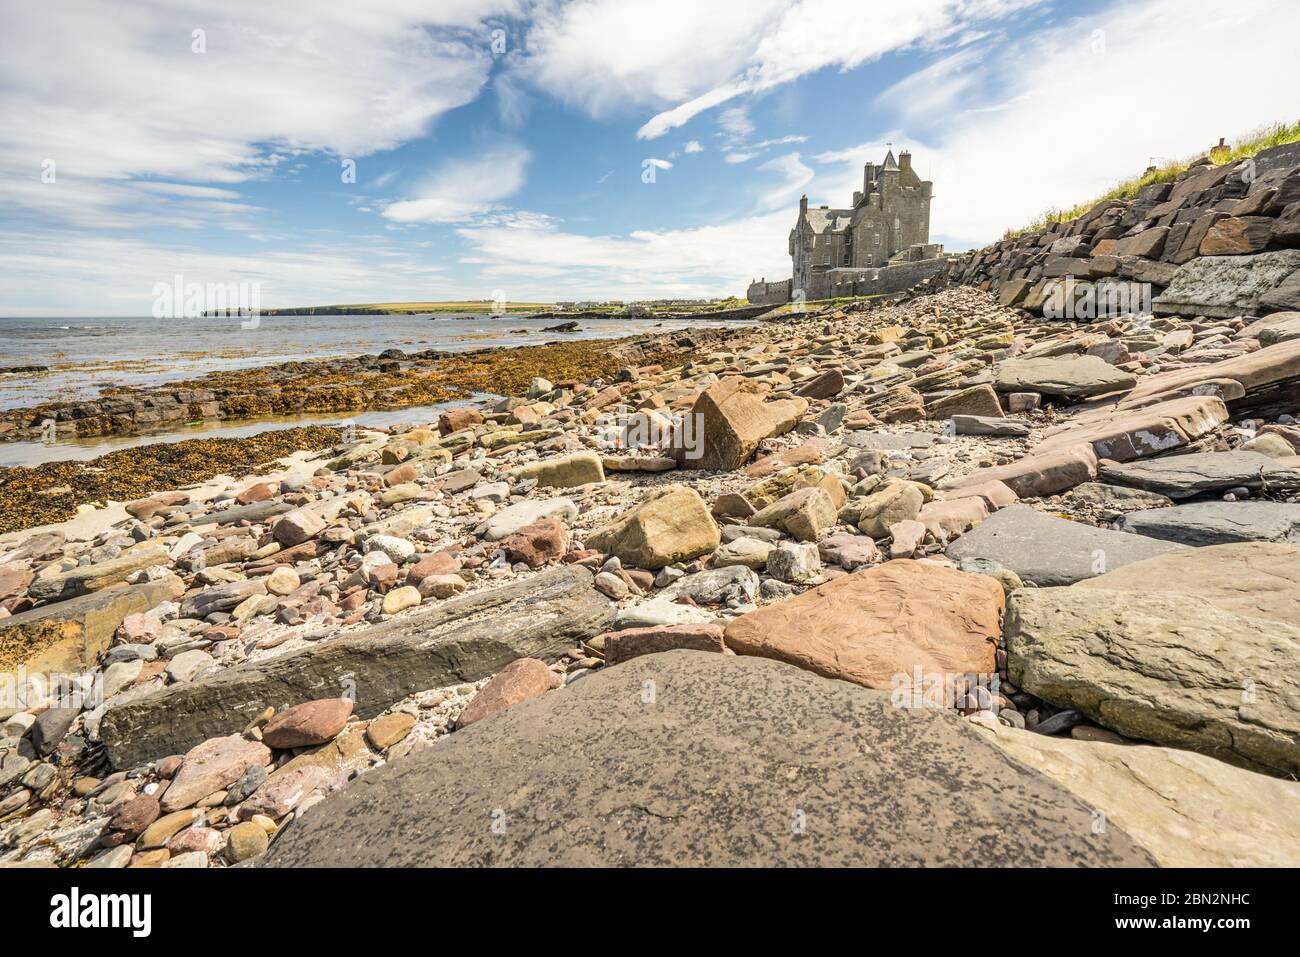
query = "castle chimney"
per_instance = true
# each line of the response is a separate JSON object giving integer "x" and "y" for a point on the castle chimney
{"x": 905, "y": 161}
{"x": 803, "y": 205}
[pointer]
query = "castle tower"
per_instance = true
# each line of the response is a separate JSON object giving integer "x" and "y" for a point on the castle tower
{"x": 887, "y": 222}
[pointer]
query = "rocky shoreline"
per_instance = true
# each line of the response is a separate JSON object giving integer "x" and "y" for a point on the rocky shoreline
{"x": 391, "y": 380}
{"x": 1048, "y": 558}
{"x": 53, "y": 492}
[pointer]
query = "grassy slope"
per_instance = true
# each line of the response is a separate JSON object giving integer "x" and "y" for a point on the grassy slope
{"x": 1278, "y": 134}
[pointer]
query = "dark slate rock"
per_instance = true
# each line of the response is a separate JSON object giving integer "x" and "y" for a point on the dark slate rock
{"x": 462, "y": 639}
{"x": 1217, "y": 523}
{"x": 705, "y": 760}
{"x": 1183, "y": 476}
{"x": 50, "y": 727}
{"x": 1052, "y": 551}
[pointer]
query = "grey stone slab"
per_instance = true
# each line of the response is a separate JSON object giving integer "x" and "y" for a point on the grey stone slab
{"x": 1224, "y": 287}
{"x": 256, "y": 512}
{"x": 463, "y": 639}
{"x": 1052, "y": 551}
{"x": 1069, "y": 376}
{"x": 731, "y": 761}
{"x": 1183, "y": 476}
{"x": 1216, "y": 523}
{"x": 989, "y": 425}
{"x": 889, "y": 441}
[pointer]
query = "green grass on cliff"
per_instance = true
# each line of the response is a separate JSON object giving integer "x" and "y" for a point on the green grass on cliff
{"x": 1279, "y": 134}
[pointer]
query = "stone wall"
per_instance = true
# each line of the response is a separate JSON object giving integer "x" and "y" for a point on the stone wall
{"x": 762, "y": 293}
{"x": 1218, "y": 241}
{"x": 886, "y": 279}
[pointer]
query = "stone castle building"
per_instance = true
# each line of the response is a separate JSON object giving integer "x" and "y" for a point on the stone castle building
{"x": 879, "y": 244}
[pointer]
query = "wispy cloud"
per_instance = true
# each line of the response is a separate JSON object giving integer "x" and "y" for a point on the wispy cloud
{"x": 464, "y": 189}
{"x": 172, "y": 91}
{"x": 810, "y": 35}
{"x": 118, "y": 275}
{"x": 542, "y": 259}
{"x": 1012, "y": 134}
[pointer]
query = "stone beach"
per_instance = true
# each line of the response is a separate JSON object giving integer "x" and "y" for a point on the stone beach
{"x": 930, "y": 579}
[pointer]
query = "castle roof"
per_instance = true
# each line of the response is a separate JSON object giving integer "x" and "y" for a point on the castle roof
{"x": 836, "y": 219}
{"x": 890, "y": 162}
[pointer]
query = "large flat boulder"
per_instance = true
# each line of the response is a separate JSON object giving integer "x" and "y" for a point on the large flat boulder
{"x": 705, "y": 760}
{"x": 1046, "y": 550}
{"x": 1216, "y": 523}
{"x": 671, "y": 525}
{"x": 727, "y": 422}
{"x": 878, "y": 626}
{"x": 1281, "y": 327}
{"x": 1223, "y": 287}
{"x": 568, "y": 471}
{"x": 1255, "y": 579}
{"x": 462, "y": 639}
{"x": 1165, "y": 667}
{"x": 68, "y": 636}
{"x": 1184, "y": 476}
{"x": 512, "y": 518}
{"x": 1187, "y": 809}
{"x": 1065, "y": 376}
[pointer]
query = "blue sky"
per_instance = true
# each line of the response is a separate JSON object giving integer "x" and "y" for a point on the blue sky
{"x": 501, "y": 146}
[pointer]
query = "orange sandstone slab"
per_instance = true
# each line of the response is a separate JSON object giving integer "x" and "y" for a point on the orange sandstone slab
{"x": 873, "y": 626}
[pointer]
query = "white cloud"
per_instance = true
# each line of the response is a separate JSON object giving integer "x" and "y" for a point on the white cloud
{"x": 795, "y": 176}
{"x": 937, "y": 87}
{"x": 735, "y": 122}
{"x": 693, "y": 146}
{"x": 1066, "y": 121}
{"x": 540, "y": 259}
{"x": 117, "y": 275}
{"x": 602, "y": 55}
{"x": 464, "y": 189}
{"x": 129, "y": 98}
{"x": 807, "y": 36}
